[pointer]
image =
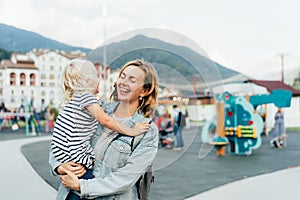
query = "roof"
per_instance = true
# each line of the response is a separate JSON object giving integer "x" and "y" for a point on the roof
{"x": 7, "y": 63}
{"x": 69, "y": 55}
{"x": 273, "y": 85}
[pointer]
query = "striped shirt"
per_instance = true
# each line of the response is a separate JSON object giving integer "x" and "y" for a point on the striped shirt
{"x": 73, "y": 130}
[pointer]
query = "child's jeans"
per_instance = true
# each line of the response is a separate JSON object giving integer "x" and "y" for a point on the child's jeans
{"x": 87, "y": 175}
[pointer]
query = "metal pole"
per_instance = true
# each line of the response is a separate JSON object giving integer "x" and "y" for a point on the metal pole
{"x": 282, "y": 69}
{"x": 104, "y": 12}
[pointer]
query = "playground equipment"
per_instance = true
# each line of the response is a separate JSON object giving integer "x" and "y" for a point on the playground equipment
{"x": 27, "y": 112}
{"x": 237, "y": 124}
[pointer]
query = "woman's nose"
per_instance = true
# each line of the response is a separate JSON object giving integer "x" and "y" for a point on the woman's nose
{"x": 124, "y": 81}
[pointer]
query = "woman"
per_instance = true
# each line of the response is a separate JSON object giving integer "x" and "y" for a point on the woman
{"x": 279, "y": 129}
{"x": 116, "y": 168}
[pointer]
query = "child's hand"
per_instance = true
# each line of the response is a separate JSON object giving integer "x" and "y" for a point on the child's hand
{"x": 140, "y": 128}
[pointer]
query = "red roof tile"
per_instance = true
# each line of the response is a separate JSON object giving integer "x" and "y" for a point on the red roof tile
{"x": 272, "y": 85}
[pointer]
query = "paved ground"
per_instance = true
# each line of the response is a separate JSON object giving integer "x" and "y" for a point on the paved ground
{"x": 283, "y": 184}
{"x": 18, "y": 179}
{"x": 179, "y": 175}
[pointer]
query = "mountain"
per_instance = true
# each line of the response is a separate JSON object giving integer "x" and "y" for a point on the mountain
{"x": 19, "y": 40}
{"x": 177, "y": 66}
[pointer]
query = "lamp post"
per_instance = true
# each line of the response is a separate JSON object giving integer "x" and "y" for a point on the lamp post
{"x": 104, "y": 13}
{"x": 282, "y": 69}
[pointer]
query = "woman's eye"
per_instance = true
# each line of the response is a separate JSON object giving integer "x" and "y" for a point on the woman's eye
{"x": 122, "y": 76}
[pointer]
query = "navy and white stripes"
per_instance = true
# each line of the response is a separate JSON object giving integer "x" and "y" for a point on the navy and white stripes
{"x": 73, "y": 130}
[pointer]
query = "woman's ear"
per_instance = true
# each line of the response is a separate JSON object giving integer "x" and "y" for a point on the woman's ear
{"x": 144, "y": 92}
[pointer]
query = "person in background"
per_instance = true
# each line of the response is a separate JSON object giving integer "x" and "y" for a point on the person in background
{"x": 50, "y": 120}
{"x": 279, "y": 130}
{"x": 4, "y": 119}
{"x": 176, "y": 116}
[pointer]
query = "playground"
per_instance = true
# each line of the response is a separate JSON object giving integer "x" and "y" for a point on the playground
{"x": 195, "y": 172}
{"x": 189, "y": 175}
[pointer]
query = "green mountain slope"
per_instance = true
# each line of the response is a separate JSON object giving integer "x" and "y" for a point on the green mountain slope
{"x": 19, "y": 40}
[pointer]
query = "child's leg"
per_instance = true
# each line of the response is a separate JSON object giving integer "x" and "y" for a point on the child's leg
{"x": 72, "y": 196}
{"x": 88, "y": 175}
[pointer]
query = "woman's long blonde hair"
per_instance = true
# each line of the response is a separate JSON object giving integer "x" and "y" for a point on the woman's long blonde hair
{"x": 148, "y": 102}
{"x": 79, "y": 76}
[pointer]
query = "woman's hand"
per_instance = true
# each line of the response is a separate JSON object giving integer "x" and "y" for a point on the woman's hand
{"x": 75, "y": 168}
{"x": 70, "y": 180}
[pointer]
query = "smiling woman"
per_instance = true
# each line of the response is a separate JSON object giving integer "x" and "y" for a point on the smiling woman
{"x": 134, "y": 83}
{"x": 117, "y": 166}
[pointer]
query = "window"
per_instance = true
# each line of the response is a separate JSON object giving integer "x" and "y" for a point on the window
{"x": 12, "y": 97}
{"x": 51, "y": 76}
{"x": 52, "y": 84}
{"x": 43, "y": 84}
{"x": 51, "y": 68}
{"x": 12, "y": 79}
{"x": 52, "y": 95}
{"x": 32, "y": 79}
{"x": 22, "y": 79}
{"x": 43, "y": 76}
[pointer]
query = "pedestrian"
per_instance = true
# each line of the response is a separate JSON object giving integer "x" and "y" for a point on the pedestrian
{"x": 50, "y": 120}
{"x": 279, "y": 130}
{"x": 79, "y": 115}
{"x": 4, "y": 119}
{"x": 176, "y": 116}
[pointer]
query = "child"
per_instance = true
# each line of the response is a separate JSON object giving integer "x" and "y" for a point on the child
{"x": 78, "y": 121}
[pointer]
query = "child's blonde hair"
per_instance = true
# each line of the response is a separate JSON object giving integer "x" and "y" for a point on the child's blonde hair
{"x": 79, "y": 76}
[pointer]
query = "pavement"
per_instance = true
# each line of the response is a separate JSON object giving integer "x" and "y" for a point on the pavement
{"x": 283, "y": 184}
{"x": 18, "y": 179}
{"x": 268, "y": 173}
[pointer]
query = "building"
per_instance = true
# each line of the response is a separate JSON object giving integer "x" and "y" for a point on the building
{"x": 19, "y": 78}
{"x": 36, "y": 75}
{"x": 107, "y": 80}
{"x": 51, "y": 64}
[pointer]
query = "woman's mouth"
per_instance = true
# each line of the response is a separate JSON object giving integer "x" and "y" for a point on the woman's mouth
{"x": 124, "y": 91}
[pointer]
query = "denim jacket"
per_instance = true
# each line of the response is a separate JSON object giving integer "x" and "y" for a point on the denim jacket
{"x": 117, "y": 169}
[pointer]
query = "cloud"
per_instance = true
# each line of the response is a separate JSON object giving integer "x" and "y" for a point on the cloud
{"x": 242, "y": 37}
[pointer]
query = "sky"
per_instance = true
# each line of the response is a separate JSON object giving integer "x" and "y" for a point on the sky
{"x": 247, "y": 36}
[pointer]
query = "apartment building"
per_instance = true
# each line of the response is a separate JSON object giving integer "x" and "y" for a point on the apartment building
{"x": 35, "y": 76}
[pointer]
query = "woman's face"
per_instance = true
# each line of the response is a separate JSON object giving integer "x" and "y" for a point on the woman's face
{"x": 130, "y": 84}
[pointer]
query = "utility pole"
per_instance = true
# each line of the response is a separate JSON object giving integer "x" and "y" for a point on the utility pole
{"x": 282, "y": 69}
{"x": 104, "y": 12}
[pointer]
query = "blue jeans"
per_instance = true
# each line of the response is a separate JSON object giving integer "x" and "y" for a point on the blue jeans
{"x": 177, "y": 133}
{"x": 87, "y": 175}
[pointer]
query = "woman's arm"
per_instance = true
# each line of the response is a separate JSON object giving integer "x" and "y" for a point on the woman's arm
{"x": 57, "y": 168}
{"x": 109, "y": 122}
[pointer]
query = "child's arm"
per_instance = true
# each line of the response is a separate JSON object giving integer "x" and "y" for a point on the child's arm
{"x": 111, "y": 123}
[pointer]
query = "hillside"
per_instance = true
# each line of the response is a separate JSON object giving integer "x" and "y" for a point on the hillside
{"x": 176, "y": 65}
{"x": 19, "y": 40}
